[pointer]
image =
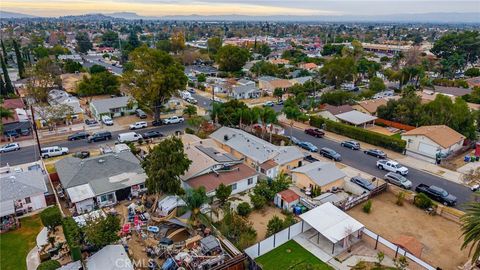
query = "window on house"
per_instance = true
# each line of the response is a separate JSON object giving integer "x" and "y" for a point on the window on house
{"x": 234, "y": 186}
{"x": 250, "y": 181}
{"x": 103, "y": 198}
{"x": 27, "y": 200}
{"x": 110, "y": 197}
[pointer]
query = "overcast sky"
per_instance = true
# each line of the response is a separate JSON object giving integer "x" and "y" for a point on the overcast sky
{"x": 244, "y": 7}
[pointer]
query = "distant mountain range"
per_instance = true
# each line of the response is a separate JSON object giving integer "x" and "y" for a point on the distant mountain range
{"x": 14, "y": 15}
{"x": 400, "y": 18}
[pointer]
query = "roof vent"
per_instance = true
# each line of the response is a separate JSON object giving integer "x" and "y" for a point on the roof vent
{"x": 101, "y": 161}
{"x": 12, "y": 178}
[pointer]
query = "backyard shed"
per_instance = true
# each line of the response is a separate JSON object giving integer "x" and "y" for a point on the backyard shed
{"x": 286, "y": 199}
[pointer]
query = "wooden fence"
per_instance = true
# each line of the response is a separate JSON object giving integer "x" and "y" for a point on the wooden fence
{"x": 394, "y": 124}
{"x": 348, "y": 204}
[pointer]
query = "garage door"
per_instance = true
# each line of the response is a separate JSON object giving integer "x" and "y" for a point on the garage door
{"x": 427, "y": 149}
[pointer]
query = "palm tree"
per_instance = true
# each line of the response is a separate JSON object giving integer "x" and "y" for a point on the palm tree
{"x": 5, "y": 112}
{"x": 195, "y": 198}
{"x": 471, "y": 229}
{"x": 267, "y": 116}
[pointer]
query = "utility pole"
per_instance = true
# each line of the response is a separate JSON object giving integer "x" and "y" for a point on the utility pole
{"x": 36, "y": 131}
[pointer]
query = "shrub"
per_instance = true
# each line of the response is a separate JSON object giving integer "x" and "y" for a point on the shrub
{"x": 422, "y": 201}
{"x": 244, "y": 209}
{"x": 49, "y": 265}
{"x": 360, "y": 134}
{"x": 73, "y": 237}
{"x": 51, "y": 217}
{"x": 258, "y": 201}
{"x": 367, "y": 207}
{"x": 400, "y": 198}
{"x": 189, "y": 131}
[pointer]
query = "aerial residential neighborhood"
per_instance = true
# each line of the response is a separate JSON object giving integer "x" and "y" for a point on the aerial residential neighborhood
{"x": 344, "y": 135}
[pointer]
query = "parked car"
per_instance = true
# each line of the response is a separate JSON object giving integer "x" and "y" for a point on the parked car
{"x": 140, "y": 113}
{"x": 192, "y": 100}
{"x": 107, "y": 120}
{"x": 78, "y": 136}
{"x": 129, "y": 137}
{"x": 138, "y": 125}
{"x": 156, "y": 123}
{"x": 269, "y": 104}
{"x": 330, "y": 153}
{"x": 376, "y": 153}
{"x": 173, "y": 120}
{"x": 351, "y": 144}
{"x": 315, "y": 132}
{"x": 392, "y": 166}
{"x": 398, "y": 180}
{"x": 9, "y": 147}
{"x": 82, "y": 154}
{"x": 12, "y": 134}
{"x": 308, "y": 146}
{"x": 53, "y": 151}
{"x": 437, "y": 193}
{"x": 100, "y": 136}
{"x": 364, "y": 183}
{"x": 152, "y": 134}
{"x": 25, "y": 131}
{"x": 90, "y": 122}
{"x": 280, "y": 102}
{"x": 191, "y": 90}
{"x": 293, "y": 140}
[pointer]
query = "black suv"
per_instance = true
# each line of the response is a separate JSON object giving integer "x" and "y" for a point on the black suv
{"x": 331, "y": 154}
{"x": 100, "y": 136}
{"x": 78, "y": 136}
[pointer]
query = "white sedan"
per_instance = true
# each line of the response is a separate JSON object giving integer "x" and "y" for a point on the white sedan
{"x": 9, "y": 147}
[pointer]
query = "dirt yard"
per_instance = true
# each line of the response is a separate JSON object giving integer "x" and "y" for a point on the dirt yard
{"x": 260, "y": 219}
{"x": 440, "y": 237}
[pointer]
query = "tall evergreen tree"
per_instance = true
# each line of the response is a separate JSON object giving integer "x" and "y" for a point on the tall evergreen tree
{"x": 21, "y": 66}
{"x": 8, "y": 83}
{"x": 4, "y": 51}
{"x": 3, "y": 90}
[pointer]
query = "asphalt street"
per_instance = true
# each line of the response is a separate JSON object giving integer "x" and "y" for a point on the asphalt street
{"x": 30, "y": 153}
{"x": 90, "y": 60}
{"x": 366, "y": 163}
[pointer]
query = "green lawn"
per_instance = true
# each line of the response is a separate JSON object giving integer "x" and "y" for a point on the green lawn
{"x": 291, "y": 256}
{"x": 15, "y": 245}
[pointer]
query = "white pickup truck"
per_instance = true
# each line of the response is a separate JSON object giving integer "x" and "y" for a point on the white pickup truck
{"x": 392, "y": 166}
{"x": 173, "y": 120}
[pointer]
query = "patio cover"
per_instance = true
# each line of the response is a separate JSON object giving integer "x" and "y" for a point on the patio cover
{"x": 356, "y": 117}
{"x": 7, "y": 208}
{"x": 80, "y": 193}
{"x": 331, "y": 222}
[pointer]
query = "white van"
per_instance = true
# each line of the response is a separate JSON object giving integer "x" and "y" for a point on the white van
{"x": 107, "y": 120}
{"x": 129, "y": 137}
{"x": 53, "y": 151}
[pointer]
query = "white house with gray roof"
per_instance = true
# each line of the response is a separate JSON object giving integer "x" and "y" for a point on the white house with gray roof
{"x": 259, "y": 154}
{"x": 246, "y": 91}
{"x": 324, "y": 175}
{"x": 22, "y": 192}
{"x": 100, "y": 181}
{"x": 113, "y": 107}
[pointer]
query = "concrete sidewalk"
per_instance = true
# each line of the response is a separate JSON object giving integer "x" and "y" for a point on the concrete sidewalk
{"x": 456, "y": 177}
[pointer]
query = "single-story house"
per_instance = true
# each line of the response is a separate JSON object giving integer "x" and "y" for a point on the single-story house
{"x": 286, "y": 199}
{"x": 432, "y": 142}
{"x": 324, "y": 175}
{"x": 195, "y": 70}
{"x": 301, "y": 80}
{"x": 308, "y": 66}
{"x": 370, "y": 106}
{"x": 245, "y": 82}
{"x": 269, "y": 83}
{"x": 356, "y": 118}
{"x": 473, "y": 82}
{"x": 19, "y": 120}
{"x": 452, "y": 91}
{"x": 280, "y": 61}
{"x": 259, "y": 154}
{"x": 21, "y": 193}
{"x": 100, "y": 181}
{"x": 329, "y": 111}
{"x": 113, "y": 107}
{"x": 111, "y": 257}
{"x": 245, "y": 92}
{"x": 334, "y": 225}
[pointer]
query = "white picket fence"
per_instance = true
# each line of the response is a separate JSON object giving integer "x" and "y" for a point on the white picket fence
{"x": 276, "y": 240}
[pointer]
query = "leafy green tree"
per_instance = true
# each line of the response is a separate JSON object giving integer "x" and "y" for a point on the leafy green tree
{"x": 83, "y": 42}
{"x": 275, "y": 224}
{"x": 110, "y": 39}
{"x": 263, "y": 49}
{"x": 213, "y": 45}
{"x": 330, "y": 49}
{"x": 258, "y": 201}
{"x": 71, "y": 66}
{"x": 163, "y": 166}
{"x": 238, "y": 230}
{"x": 51, "y": 217}
{"x": 232, "y": 58}
{"x": 230, "y": 113}
{"x": 155, "y": 77}
{"x": 49, "y": 265}
{"x": 376, "y": 85}
{"x": 338, "y": 70}
{"x": 97, "y": 69}
{"x": 44, "y": 75}
{"x": 99, "y": 84}
{"x": 102, "y": 231}
{"x": 41, "y": 52}
{"x": 178, "y": 42}
{"x": 8, "y": 83}
{"x": 190, "y": 110}
{"x": 164, "y": 45}
{"x": 195, "y": 198}
{"x": 472, "y": 72}
{"x": 244, "y": 209}
{"x": 278, "y": 92}
{"x": 201, "y": 78}
{"x": 463, "y": 44}
{"x": 223, "y": 192}
{"x": 195, "y": 122}
{"x": 336, "y": 98}
{"x": 20, "y": 63}
{"x": 262, "y": 68}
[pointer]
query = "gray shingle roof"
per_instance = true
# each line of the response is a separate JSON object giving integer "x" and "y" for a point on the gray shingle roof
{"x": 104, "y": 173}
{"x": 322, "y": 173}
{"x": 243, "y": 89}
{"x": 104, "y": 105}
{"x": 15, "y": 186}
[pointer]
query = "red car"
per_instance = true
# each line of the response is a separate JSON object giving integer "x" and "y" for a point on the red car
{"x": 314, "y": 132}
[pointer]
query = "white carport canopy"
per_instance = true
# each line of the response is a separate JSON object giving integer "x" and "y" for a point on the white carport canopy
{"x": 331, "y": 222}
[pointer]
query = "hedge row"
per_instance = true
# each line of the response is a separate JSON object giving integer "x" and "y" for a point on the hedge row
{"x": 360, "y": 134}
{"x": 73, "y": 236}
